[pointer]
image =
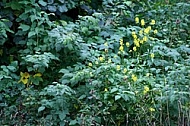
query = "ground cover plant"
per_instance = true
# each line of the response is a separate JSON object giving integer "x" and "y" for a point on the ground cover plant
{"x": 94, "y": 62}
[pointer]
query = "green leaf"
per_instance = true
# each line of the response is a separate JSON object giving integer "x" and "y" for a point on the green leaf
{"x": 62, "y": 115}
{"x": 24, "y": 27}
{"x": 41, "y": 108}
{"x": 11, "y": 68}
{"x": 113, "y": 90}
{"x": 73, "y": 122}
{"x": 14, "y": 5}
{"x": 31, "y": 33}
{"x": 41, "y": 2}
{"x": 62, "y": 8}
{"x": 117, "y": 97}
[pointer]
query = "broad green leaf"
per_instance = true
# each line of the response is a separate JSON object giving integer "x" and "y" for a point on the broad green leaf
{"x": 41, "y": 108}
{"x": 117, "y": 97}
{"x": 31, "y": 33}
{"x": 41, "y": 2}
{"x": 73, "y": 122}
{"x": 114, "y": 90}
{"x": 24, "y": 27}
{"x": 62, "y": 115}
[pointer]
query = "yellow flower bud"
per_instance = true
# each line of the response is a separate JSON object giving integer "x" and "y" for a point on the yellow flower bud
{"x": 152, "y": 55}
{"x": 134, "y": 48}
{"x": 127, "y": 44}
{"x": 155, "y": 31}
{"x": 146, "y": 89}
{"x": 142, "y": 22}
{"x": 136, "y": 20}
{"x": 134, "y": 77}
{"x": 153, "y": 22}
{"x": 89, "y": 64}
{"x": 152, "y": 109}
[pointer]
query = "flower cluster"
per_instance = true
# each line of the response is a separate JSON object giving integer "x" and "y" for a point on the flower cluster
{"x": 121, "y": 48}
{"x": 26, "y": 76}
{"x": 143, "y": 34}
{"x": 146, "y": 90}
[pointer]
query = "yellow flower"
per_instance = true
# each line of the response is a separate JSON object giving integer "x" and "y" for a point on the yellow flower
{"x": 155, "y": 31}
{"x": 147, "y": 30}
{"x": 124, "y": 70}
{"x": 118, "y": 67}
{"x": 106, "y": 44}
{"x": 89, "y": 64}
{"x": 121, "y": 41}
{"x": 133, "y": 33}
{"x": 151, "y": 109}
{"x": 134, "y": 36}
{"x": 101, "y": 59}
{"x": 127, "y": 44}
{"x": 141, "y": 41}
{"x": 146, "y": 89}
{"x": 105, "y": 89}
{"x": 153, "y": 22}
{"x": 142, "y": 22}
{"x": 149, "y": 27}
{"x": 134, "y": 48}
{"x": 136, "y": 20}
{"x": 134, "y": 77}
{"x": 136, "y": 42}
{"x": 152, "y": 55}
{"x": 145, "y": 38}
{"x": 37, "y": 75}
{"x": 24, "y": 77}
{"x": 121, "y": 48}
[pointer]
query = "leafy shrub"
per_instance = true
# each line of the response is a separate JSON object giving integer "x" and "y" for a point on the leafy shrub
{"x": 121, "y": 63}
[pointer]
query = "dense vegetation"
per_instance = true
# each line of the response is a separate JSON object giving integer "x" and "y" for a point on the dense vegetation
{"x": 94, "y": 62}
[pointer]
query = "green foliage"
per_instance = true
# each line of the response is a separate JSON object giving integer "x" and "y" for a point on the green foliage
{"x": 75, "y": 63}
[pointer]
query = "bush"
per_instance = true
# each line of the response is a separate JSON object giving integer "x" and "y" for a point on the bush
{"x": 74, "y": 63}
